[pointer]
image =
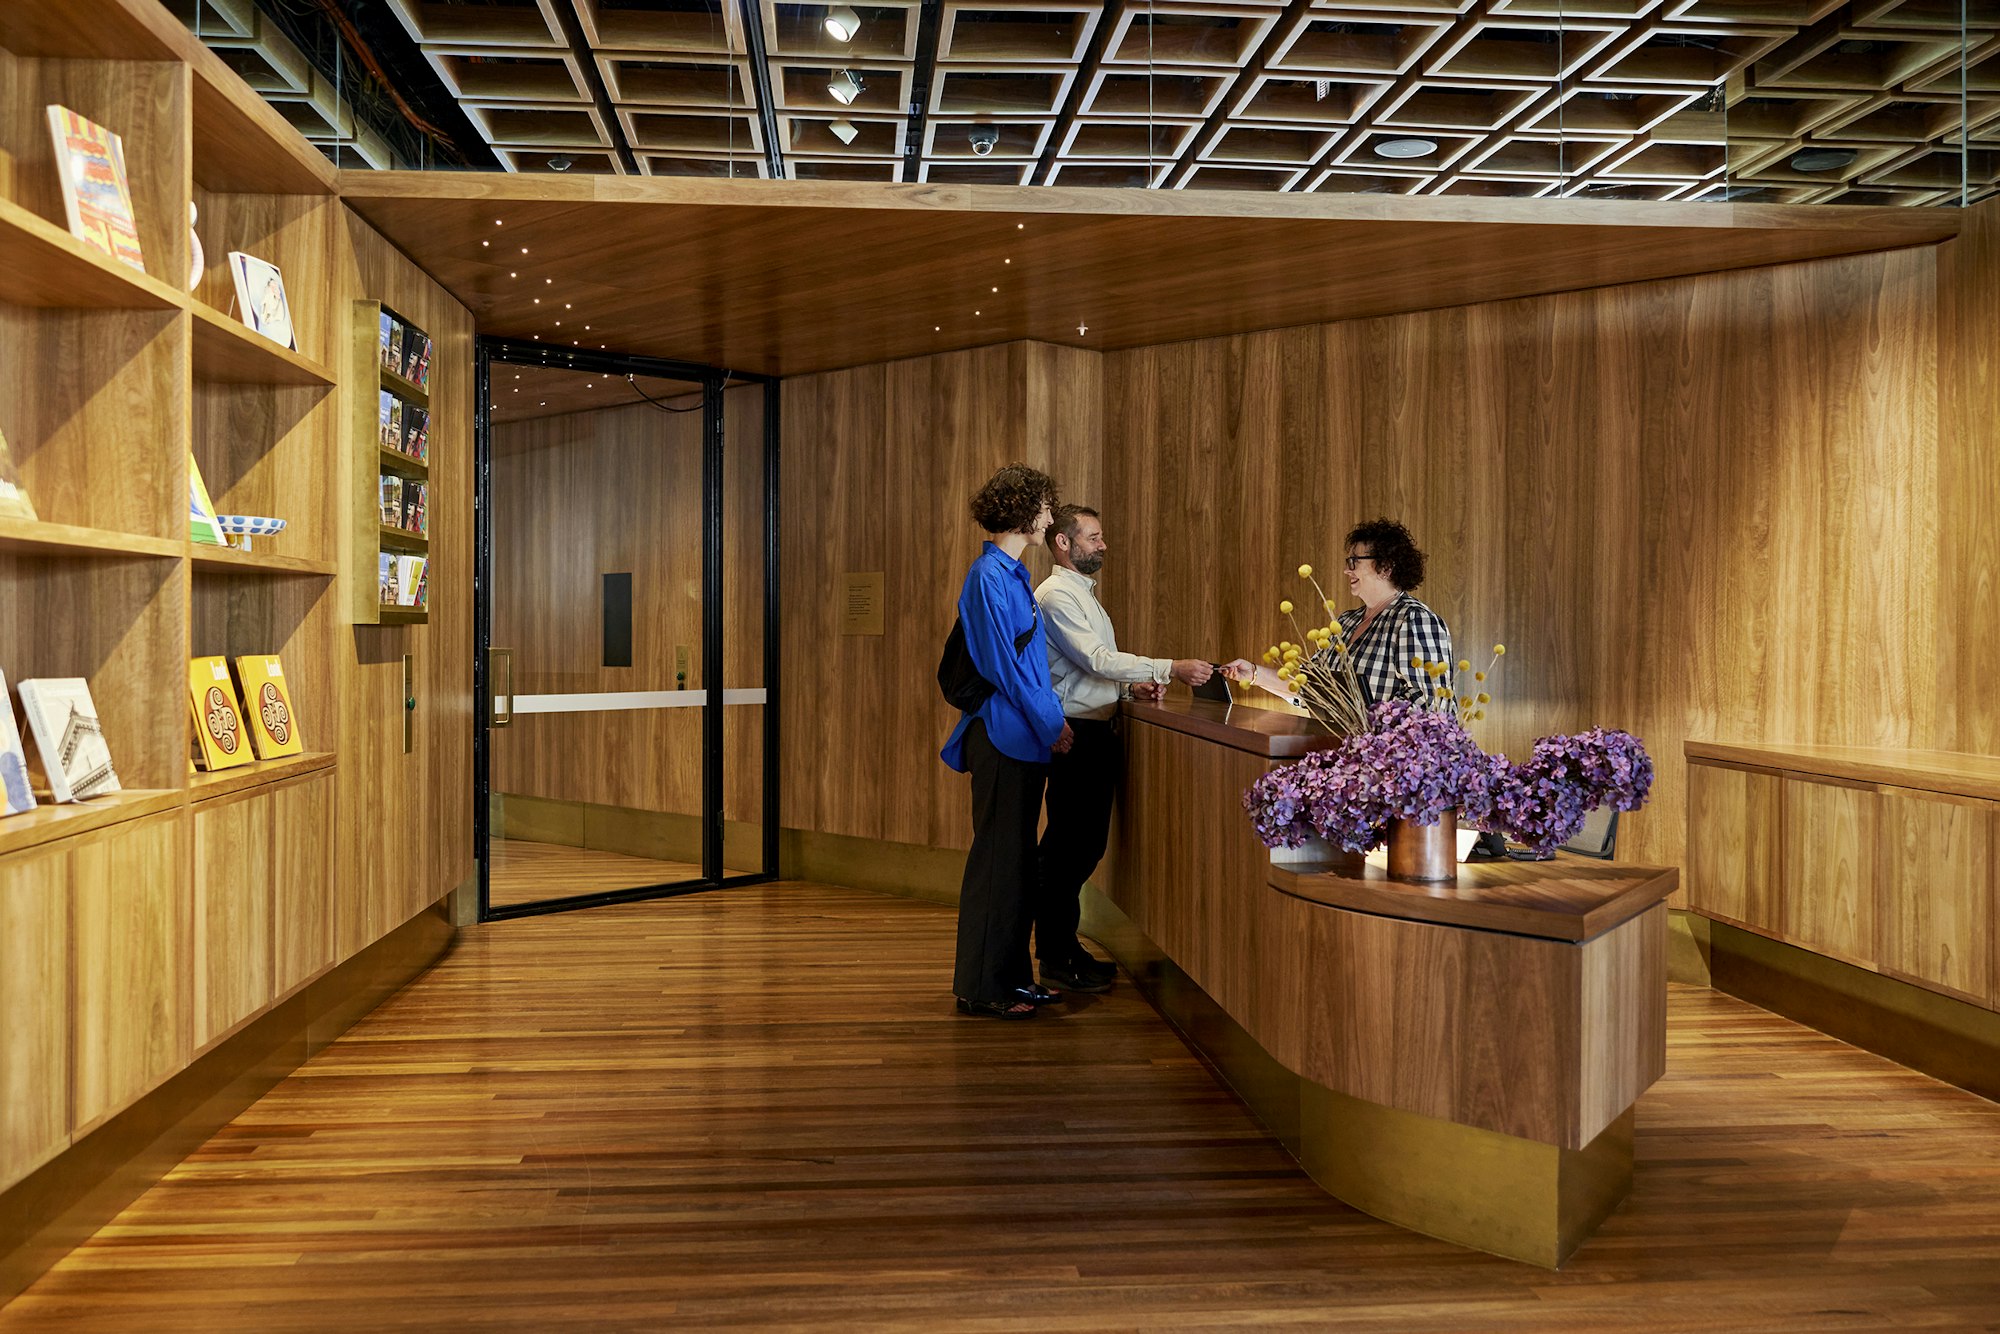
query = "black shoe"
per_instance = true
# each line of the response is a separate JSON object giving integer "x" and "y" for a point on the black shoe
{"x": 1086, "y": 965}
{"x": 1036, "y": 994}
{"x": 1071, "y": 977}
{"x": 1006, "y": 1009}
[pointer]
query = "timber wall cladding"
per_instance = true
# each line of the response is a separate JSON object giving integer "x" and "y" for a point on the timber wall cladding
{"x": 583, "y": 494}
{"x": 1742, "y": 506}
{"x": 1718, "y": 507}
{"x": 879, "y": 463}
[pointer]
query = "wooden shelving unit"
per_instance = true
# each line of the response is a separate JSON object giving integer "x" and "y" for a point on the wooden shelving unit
{"x": 375, "y": 461}
{"x": 166, "y": 903}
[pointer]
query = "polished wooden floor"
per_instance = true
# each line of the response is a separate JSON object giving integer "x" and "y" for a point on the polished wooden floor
{"x": 756, "y": 1109}
{"x": 528, "y": 872}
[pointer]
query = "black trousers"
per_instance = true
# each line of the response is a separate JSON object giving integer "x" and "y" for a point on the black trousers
{"x": 999, "y": 887}
{"x": 1082, "y": 783}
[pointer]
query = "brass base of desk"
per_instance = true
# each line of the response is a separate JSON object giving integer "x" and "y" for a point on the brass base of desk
{"x": 1511, "y": 1197}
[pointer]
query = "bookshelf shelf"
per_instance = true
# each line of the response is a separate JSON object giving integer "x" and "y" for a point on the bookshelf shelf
{"x": 48, "y": 823}
{"x": 403, "y": 615}
{"x": 405, "y": 389}
{"x": 31, "y": 537}
{"x": 42, "y": 265}
{"x": 259, "y": 773}
{"x": 226, "y": 351}
{"x": 402, "y": 464}
{"x": 229, "y": 560}
{"x": 402, "y": 540}
{"x": 242, "y": 146}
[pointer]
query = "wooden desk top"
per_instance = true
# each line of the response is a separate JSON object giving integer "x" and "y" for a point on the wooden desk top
{"x": 1566, "y": 899}
{"x": 1259, "y": 731}
{"x": 1927, "y": 770}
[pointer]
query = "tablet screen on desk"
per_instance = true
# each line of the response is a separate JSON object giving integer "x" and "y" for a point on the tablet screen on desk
{"x": 1215, "y": 688}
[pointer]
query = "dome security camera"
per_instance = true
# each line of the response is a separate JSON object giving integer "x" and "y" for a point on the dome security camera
{"x": 983, "y": 138}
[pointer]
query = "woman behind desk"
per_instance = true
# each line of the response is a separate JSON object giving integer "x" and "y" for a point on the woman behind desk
{"x": 1388, "y": 630}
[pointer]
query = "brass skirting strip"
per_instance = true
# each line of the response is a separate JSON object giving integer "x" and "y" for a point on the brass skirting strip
{"x": 64, "y": 1202}
{"x": 930, "y": 874}
{"x": 1498, "y": 1193}
{"x": 1945, "y": 1038}
{"x": 1688, "y": 948}
{"x": 664, "y": 836}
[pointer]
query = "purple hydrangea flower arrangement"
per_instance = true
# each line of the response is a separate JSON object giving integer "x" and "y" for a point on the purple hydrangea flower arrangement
{"x": 1544, "y": 800}
{"x": 1412, "y": 764}
{"x": 1415, "y": 764}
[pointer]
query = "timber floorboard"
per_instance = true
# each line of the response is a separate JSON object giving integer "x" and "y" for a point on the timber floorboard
{"x": 755, "y": 1109}
{"x": 528, "y": 872}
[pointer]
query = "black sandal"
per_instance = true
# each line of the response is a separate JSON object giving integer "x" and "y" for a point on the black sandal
{"x": 1037, "y": 994}
{"x": 1006, "y": 1009}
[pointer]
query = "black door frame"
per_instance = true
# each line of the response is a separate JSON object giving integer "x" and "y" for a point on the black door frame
{"x": 713, "y": 381}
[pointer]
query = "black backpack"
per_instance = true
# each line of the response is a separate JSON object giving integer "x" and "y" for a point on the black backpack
{"x": 958, "y": 676}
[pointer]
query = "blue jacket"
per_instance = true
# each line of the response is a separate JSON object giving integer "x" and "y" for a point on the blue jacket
{"x": 1023, "y": 715}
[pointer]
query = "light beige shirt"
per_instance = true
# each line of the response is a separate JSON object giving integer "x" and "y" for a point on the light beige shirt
{"x": 1088, "y": 671}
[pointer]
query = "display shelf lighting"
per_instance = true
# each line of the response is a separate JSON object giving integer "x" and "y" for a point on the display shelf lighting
{"x": 845, "y": 86}
{"x": 844, "y": 131}
{"x": 842, "y": 23}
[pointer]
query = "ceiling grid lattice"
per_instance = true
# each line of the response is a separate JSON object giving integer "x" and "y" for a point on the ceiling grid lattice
{"x": 1621, "y": 99}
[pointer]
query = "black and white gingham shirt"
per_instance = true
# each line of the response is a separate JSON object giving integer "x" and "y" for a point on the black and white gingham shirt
{"x": 1406, "y": 629}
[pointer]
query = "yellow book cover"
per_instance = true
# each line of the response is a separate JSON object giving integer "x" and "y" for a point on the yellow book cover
{"x": 218, "y": 718}
{"x": 267, "y": 701}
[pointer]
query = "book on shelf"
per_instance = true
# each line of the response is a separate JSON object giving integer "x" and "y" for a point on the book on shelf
{"x": 392, "y": 500}
{"x": 411, "y": 581}
{"x": 97, "y": 195}
{"x": 417, "y": 360}
{"x": 414, "y": 517}
{"x": 14, "y": 502}
{"x": 75, "y": 760}
{"x": 417, "y": 433}
{"x": 218, "y": 717}
{"x": 202, "y": 524}
{"x": 384, "y": 324}
{"x": 17, "y": 794}
{"x": 267, "y": 701}
{"x": 260, "y": 293}
{"x": 393, "y": 362}
{"x": 386, "y": 570}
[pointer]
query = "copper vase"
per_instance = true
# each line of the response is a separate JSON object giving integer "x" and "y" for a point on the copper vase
{"x": 1424, "y": 851}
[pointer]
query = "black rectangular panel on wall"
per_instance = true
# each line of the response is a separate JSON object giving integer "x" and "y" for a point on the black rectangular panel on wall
{"x": 618, "y": 620}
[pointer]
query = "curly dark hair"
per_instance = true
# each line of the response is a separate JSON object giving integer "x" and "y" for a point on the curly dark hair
{"x": 1012, "y": 499}
{"x": 1393, "y": 550}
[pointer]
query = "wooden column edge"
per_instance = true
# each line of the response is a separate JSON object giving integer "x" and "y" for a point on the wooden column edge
{"x": 65, "y": 1201}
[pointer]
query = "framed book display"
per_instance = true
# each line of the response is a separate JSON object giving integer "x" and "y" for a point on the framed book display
{"x": 260, "y": 296}
{"x": 96, "y": 194}
{"x": 17, "y": 796}
{"x": 69, "y": 740}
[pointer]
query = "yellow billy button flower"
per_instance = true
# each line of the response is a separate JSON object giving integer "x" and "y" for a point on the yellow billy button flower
{"x": 1479, "y": 676}
{"x": 1464, "y": 666}
{"x": 1499, "y": 650}
{"x": 1285, "y": 607}
{"x": 1271, "y": 658}
{"x": 1417, "y": 661}
{"x": 1464, "y": 700}
{"x": 1485, "y": 698}
{"x": 1305, "y": 571}
{"x": 1479, "y": 715}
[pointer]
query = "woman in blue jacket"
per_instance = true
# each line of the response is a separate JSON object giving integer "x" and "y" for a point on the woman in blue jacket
{"x": 1006, "y": 746}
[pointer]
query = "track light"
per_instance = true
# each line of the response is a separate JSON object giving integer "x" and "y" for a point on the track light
{"x": 845, "y": 87}
{"x": 984, "y": 138}
{"x": 842, "y": 23}
{"x": 844, "y": 131}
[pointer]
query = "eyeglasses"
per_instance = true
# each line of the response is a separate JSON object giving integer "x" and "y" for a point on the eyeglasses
{"x": 1353, "y": 561}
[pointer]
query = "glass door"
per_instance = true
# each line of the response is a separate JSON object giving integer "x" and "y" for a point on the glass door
{"x": 628, "y": 555}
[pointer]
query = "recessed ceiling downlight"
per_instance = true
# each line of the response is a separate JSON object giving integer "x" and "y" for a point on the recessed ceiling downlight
{"x": 1822, "y": 159}
{"x": 1406, "y": 148}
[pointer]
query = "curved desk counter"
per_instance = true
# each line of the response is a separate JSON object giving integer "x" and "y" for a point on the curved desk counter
{"x": 1460, "y": 1059}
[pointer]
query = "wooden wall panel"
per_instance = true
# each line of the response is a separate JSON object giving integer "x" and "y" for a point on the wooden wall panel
{"x": 880, "y": 463}
{"x": 232, "y": 913}
{"x": 1732, "y": 869}
{"x": 1936, "y": 900}
{"x": 1832, "y": 843}
{"x": 301, "y": 881}
{"x": 129, "y": 895}
{"x": 34, "y": 1013}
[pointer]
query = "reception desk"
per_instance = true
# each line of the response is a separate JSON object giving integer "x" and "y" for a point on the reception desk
{"x": 1461, "y": 1059}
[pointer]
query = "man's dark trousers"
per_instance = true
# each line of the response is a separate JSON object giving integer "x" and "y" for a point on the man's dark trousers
{"x": 997, "y": 895}
{"x": 1082, "y": 783}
